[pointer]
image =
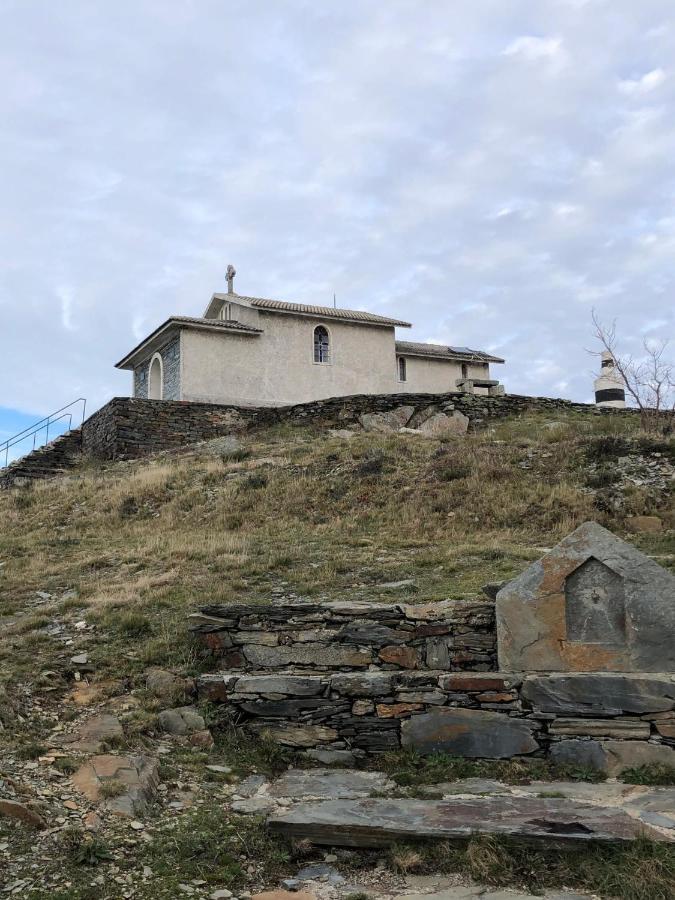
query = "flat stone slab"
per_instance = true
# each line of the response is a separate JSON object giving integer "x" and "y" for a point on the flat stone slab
{"x": 592, "y": 603}
{"x": 468, "y": 732}
{"x": 381, "y": 823}
{"x": 328, "y": 784}
{"x": 600, "y": 694}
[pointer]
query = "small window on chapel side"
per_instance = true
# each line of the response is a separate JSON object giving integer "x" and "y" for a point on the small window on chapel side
{"x": 465, "y": 370}
{"x": 321, "y": 345}
{"x": 402, "y": 369}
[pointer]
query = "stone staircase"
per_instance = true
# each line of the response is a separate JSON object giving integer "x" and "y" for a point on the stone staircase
{"x": 54, "y": 458}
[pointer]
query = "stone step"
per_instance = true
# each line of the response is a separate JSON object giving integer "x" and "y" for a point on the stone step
{"x": 383, "y": 822}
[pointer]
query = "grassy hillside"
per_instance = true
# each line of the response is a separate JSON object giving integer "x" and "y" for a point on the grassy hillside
{"x": 109, "y": 561}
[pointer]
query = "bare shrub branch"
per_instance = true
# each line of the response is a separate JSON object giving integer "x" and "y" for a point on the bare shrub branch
{"x": 649, "y": 380}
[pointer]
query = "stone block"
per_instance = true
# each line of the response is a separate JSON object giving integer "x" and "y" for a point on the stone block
{"x": 603, "y": 694}
{"x": 594, "y": 603}
{"x": 405, "y": 657}
{"x": 291, "y": 685}
{"x": 583, "y": 754}
{"x": 442, "y": 424}
{"x": 468, "y": 732}
{"x": 321, "y": 656}
{"x": 622, "y": 755}
{"x": 386, "y": 422}
{"x": 366, "y": 684}
{"x": 300, "y": 735}
{"x": 621, "y": 728}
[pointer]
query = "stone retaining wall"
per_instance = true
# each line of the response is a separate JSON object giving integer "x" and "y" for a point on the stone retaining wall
{"x": 590, "y": 720}
{"x": 452, "y": 635}
{"x": 131, "y": 427}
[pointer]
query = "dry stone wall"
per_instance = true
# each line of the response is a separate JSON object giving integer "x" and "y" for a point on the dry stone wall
{"x": 132, "y": 427}
{"x": 605, "y": 721}
{"x": 311, "y": 637}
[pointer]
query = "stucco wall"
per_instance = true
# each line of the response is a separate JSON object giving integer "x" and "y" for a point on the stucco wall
{"x": 436, "y": 375}
{"x": 278, "y": 366}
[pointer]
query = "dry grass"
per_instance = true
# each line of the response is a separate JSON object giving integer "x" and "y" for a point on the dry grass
{"x": 143, "y": 543}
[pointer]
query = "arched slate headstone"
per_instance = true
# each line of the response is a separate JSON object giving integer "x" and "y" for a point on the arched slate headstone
{"x": 594, "y": 603}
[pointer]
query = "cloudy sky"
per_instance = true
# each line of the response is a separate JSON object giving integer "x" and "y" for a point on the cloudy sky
{"x": 490, "y": 170}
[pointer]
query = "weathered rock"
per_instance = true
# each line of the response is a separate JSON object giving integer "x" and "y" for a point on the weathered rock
{"x": 380, "y": 823}
{"x": 621, "y": 728}
{"x": 603, "y": 694}
{"x": 622, "y": 755}
{"x": 593, "y": 603}
{"x": 477, "y": 681}
{"x": 330, "y": 757}
{"x": 612, "y": 757}
{"x": 93, "y": 734}
{"x": 406, "y": 657}
{"x": 181, "y": 721}
{"x": 363, "y": 707}
{"x": 644, "y": 524}
{"x": 583, "y": 754}
{"x": 136, "y": 776}
{"x": 468, "y": 732}
{"x": 300, "y": 735}
{"x": 366, "y": 684}
{"x": 165, "y": 685}
{"x": 388, "y": 421}
{"x": 326, "y": 784}
{"x": 321, "y": 656}
{"x": 203, "y": 740}
{"x": 442, "y": 424}
{"x": 370, "y": 634}
{"x": 12, "y": 809}
{"x": 397, "y": 710}
{"x": 284, "y": 895}
{"x": 291, "y": 685}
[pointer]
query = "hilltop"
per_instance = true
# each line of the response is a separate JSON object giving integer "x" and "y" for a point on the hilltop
{"x": 104, "y": 565}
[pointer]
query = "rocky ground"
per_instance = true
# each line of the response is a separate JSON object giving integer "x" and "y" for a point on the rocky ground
{"x": 112, "y": 785}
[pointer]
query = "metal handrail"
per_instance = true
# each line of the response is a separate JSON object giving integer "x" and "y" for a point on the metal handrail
{"x": 37, "y": 427}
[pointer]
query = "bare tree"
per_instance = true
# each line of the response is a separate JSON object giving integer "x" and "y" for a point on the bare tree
{"x": 649, "y": 380}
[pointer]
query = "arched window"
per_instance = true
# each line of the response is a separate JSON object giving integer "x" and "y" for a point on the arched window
{"x": 321, "y": 345}
{"x": 156, "y": 379}
{"x": 402, "y": 369}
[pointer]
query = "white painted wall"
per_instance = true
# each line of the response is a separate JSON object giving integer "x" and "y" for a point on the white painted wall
{"x": 278, "y": 366}
{"x": 436, "y": 376}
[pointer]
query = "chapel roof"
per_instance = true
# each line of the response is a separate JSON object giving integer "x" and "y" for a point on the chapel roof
{"x": 184, "y": 322}
{"x": 303, "y": 309}
{"x": 440, "y": 351}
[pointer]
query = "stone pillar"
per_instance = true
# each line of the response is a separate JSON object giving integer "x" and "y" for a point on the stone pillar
{"x": 609, "y": 386}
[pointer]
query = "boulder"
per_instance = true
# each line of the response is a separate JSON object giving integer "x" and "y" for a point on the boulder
{"x": 181, "y": 721}
{"x": 593, "y": 603}
{"x": 387, "y": 422}
{"x": 442, "y": 424}
{"x": 165, "y": 685}
{"x": 473, "y": 733}
{"x": 12, "y": 809}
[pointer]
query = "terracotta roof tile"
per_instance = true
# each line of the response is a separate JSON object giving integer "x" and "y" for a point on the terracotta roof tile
{"x": 302, "y": 309}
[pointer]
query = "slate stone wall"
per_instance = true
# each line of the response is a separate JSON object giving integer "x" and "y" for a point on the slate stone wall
{"x": 170, "y": 354}
{"x": 453, "y": 635}
{"x": 138, "y": 426}
{"x": 609, "y": 722}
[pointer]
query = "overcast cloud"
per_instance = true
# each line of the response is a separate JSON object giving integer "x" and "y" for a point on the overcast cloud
{"x": 489, "y": 170}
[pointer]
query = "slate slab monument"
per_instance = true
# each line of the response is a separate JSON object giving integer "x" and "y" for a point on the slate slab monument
{"x": 594, "y": 603}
